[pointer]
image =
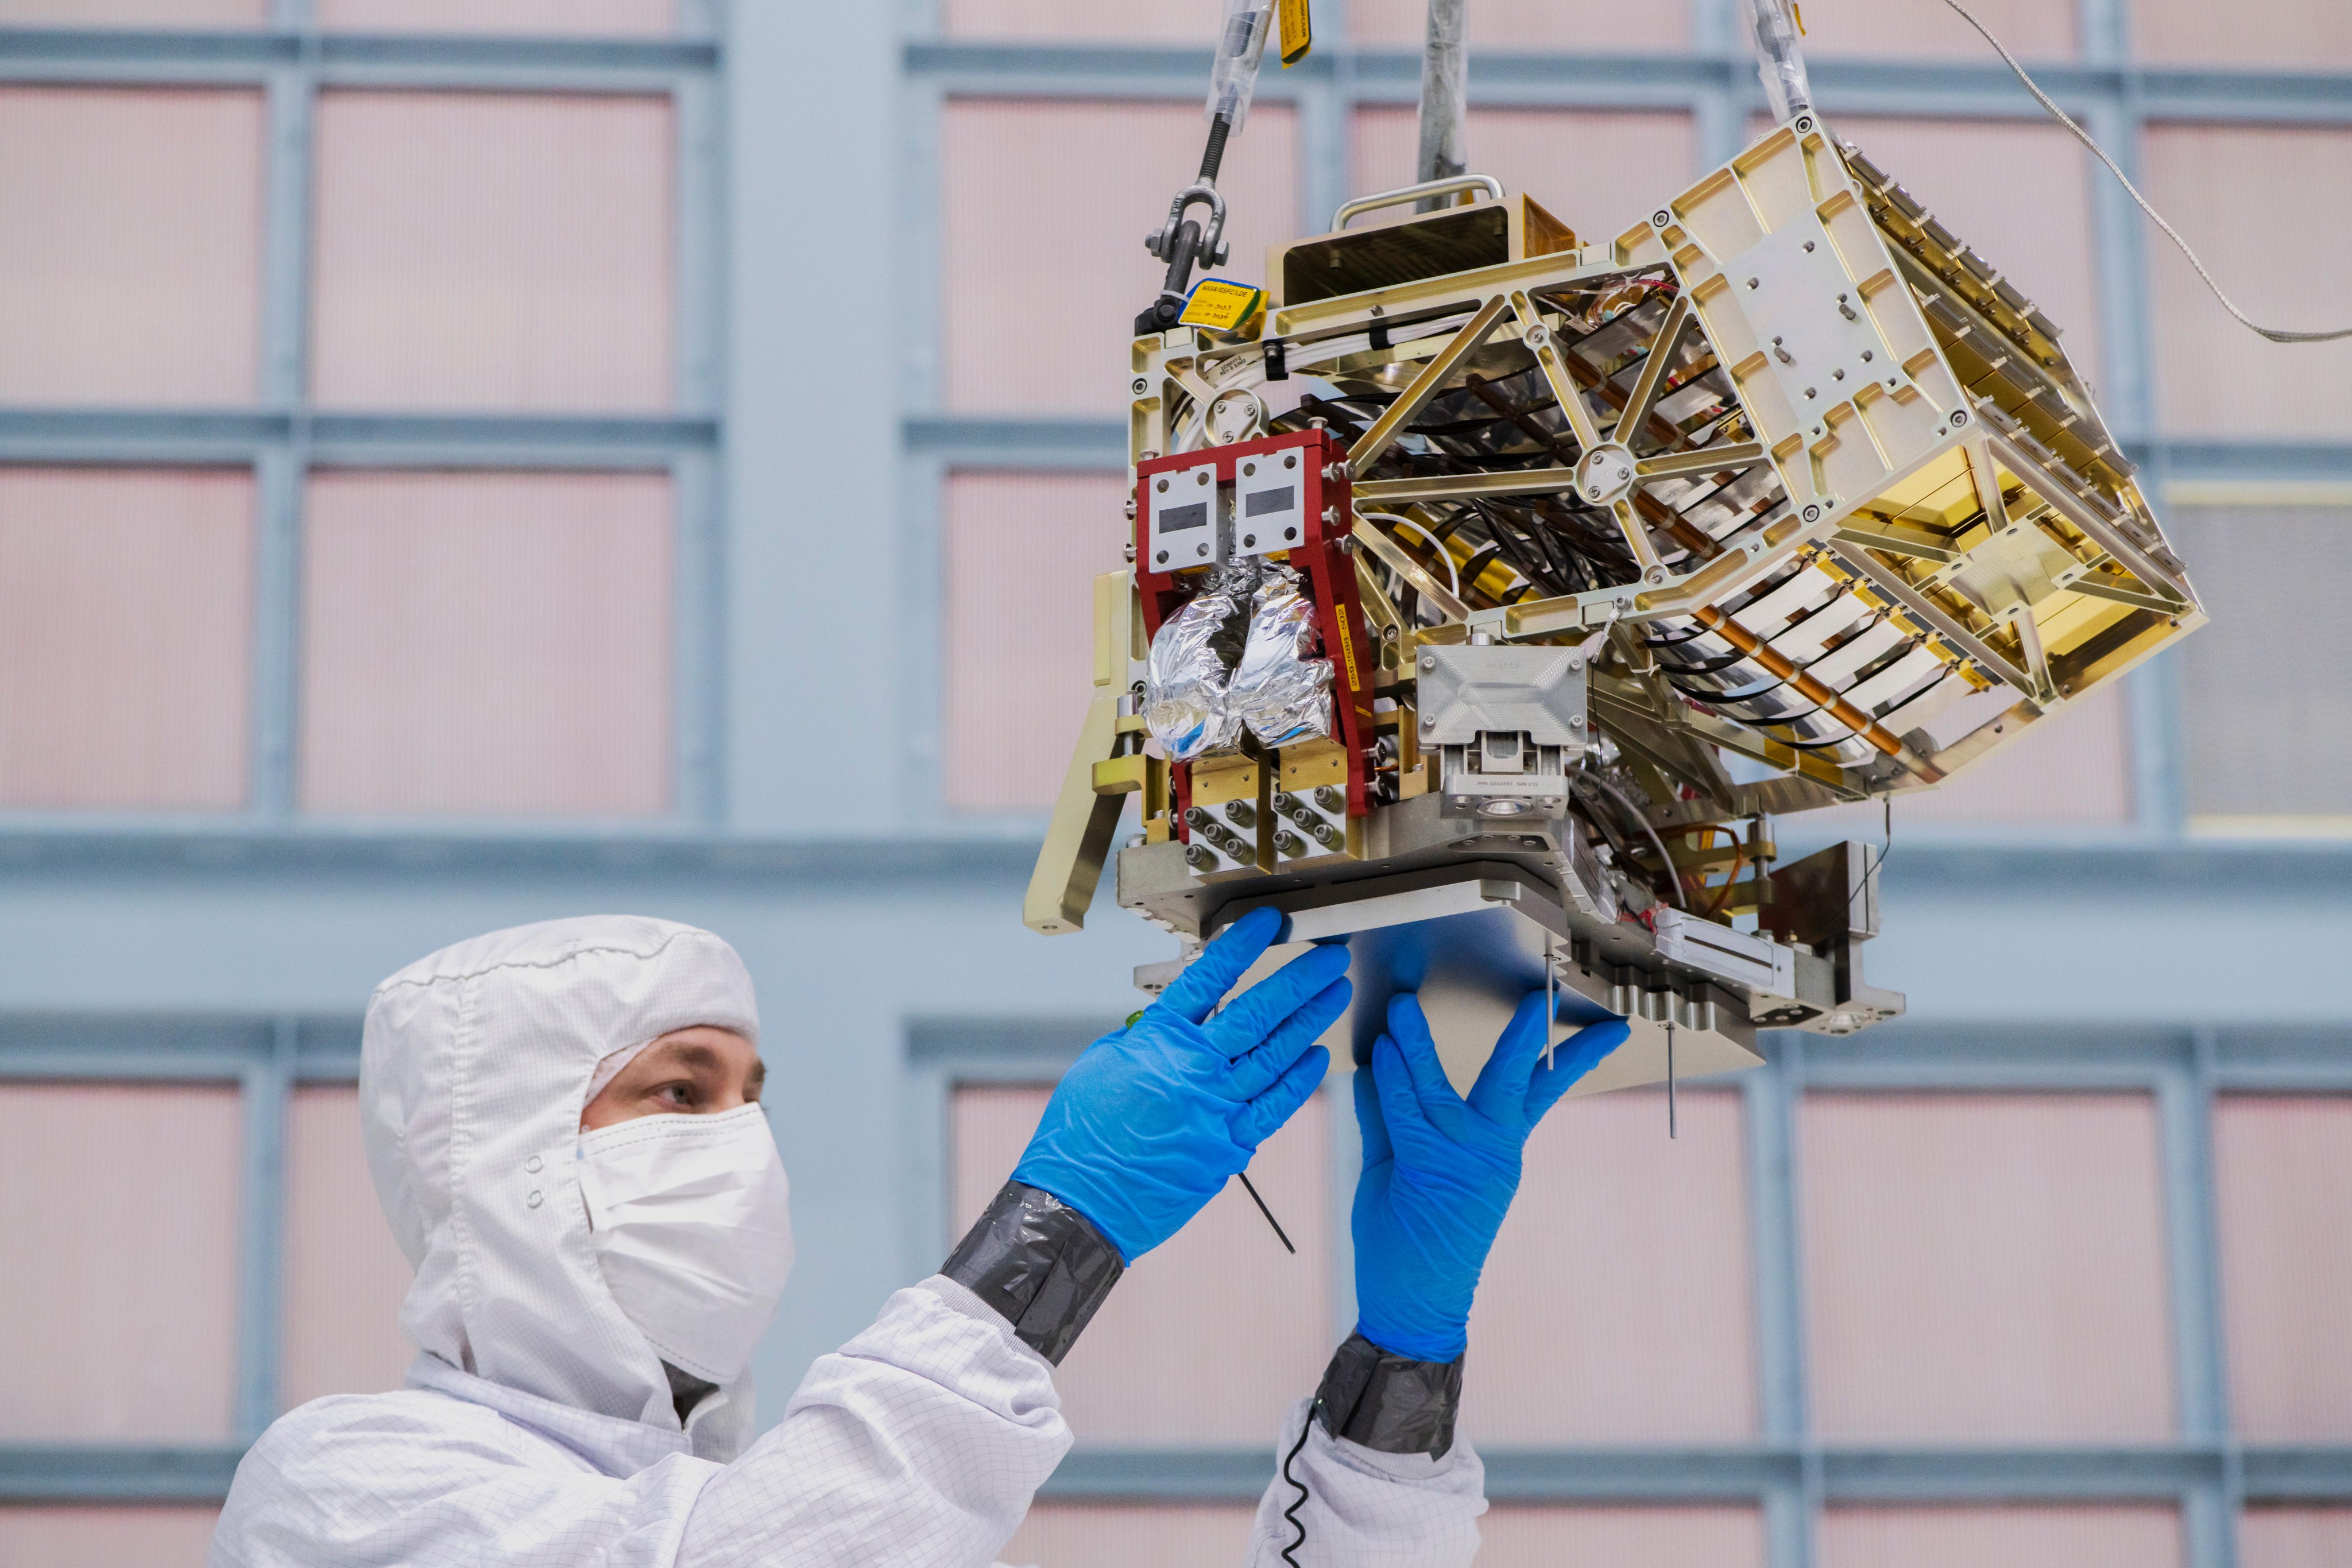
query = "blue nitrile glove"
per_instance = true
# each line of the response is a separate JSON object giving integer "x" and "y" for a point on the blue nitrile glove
{"x": 1150, "y": 1123}
{"x": 1440, "y": 1171}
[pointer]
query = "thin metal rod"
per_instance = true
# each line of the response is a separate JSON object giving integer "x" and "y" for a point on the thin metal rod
{"x": 1673, "y": 1130}
{"x": 1280, "y": 1234}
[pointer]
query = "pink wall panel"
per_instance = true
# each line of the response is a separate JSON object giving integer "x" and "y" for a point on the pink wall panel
{"x": 491, "y": 252}
{"x": 1985, "y": 1267}
{"x": 1041, "y": 319}
{"x": 346, "y": 1276}
{"x": 134, "y": 13}
{"x": 1616, "y": 1305}
{"x": 2033, "y": 30}
{"x": 487, "y": 642}
{"x": 2074, "y": 767}
{"x": 2083, "y": 1537}
{"x": 1520, "y": 1537}
{"x": 1221, "y": 1291}
{"x": 2020, "y": 191}
{"x": 100, "y": 1537}
{"x": 2241, "y": 196}
{"x": 131, "y": 263}
{"x": 1022, "y": 554}
{"x": 2283, "y": 1183}
{"x": 596, "y": 17}
{"x": 126, "y": 615}
{"x": 2302, "y": 35}
{"x": 119, "y": 1197}
{"x": 1173, "y": 21}
{"x": 1598, "y": 173}
{"x": 2296, "y": 1538}
{"x": 1531, "y": 24}
{"x": 1090, "y": 1536}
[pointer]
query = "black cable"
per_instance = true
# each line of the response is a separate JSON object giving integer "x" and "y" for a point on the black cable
{"x": 1250, "y": 1188}
{"x": 1290, "y": 1514}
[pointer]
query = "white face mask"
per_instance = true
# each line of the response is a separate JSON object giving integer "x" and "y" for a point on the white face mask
{"x": 693, "y": 1225}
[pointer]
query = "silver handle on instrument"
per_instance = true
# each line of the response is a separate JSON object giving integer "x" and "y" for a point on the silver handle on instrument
{"x": 1487, "y": 183}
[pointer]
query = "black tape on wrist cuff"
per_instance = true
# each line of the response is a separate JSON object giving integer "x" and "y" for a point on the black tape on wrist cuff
{"x": 1037, "y": 1260}
{"x": 1388, "y": 1404}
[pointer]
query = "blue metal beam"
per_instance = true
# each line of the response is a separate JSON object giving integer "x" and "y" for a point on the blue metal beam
{"x": 164, "y": 55}
{"x": 1958, "y": 87}
{"x": 437, "y": 440}
{"x": 1727, "y": 1473}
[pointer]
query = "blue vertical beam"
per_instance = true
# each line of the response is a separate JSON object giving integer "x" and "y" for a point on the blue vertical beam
{"x": 699, "y": 681}
{"x": 1770, "y": 1097}
{"x": 264, "y": 1088}
{"x": 814, "y": 309}
{"x": 1326, "y": 175}
{"x": 1717, "y": 33}
{"x": 285, "y": 370}
{"x": 2185, "y": 1099}
{"x": 2128, "y": 389}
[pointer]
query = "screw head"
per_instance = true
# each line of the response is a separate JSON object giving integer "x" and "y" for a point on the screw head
{"x": 1249, "y": 541}
{"x": 1163, "y": 487}
{"x": 1812, "y": 514}
{"x": 1249, "y": 467}
{"x": 1290, "y": 533}
{"x": 1290, "y": 460}
{"x": 1200, "y": 476}
{"x": 1659, "y": 219}
{"x": 1203, "y": 549}
{"x": 1959, "y": 417}
{"x": 1429, "y": 661}
{"x": 1161, "y": 559}
{"x": 1138, "y": 386}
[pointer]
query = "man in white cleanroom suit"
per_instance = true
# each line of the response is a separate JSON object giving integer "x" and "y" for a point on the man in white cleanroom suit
{"x": 562, "y": 1122}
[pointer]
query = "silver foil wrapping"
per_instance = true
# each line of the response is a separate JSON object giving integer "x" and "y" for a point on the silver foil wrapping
{"x": 1192, "y": 658}
{"x": 1281, "y": 690}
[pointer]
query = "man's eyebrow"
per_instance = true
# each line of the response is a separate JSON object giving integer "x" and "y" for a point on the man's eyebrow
{"x": 694, "y": 1055}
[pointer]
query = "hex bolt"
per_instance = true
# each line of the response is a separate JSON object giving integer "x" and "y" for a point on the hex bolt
{"x": 1283, "y": 801}
{"x": 1289, "y": 844}
{"x": 1332, "y": 797}
{"x": 1196, "y": 816}
{"x": 1326, "y": 835}
{"x": 1200, "y": 857}
{"x": 1241, "y": 813}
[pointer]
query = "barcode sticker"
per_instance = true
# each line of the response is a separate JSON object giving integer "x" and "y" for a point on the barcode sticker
{"x": 1298, "y": 32}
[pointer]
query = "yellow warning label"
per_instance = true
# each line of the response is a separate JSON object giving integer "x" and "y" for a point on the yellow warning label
{"x": 1348, "y": 656}
{"x": 1298, "y": 32}
{"x": 1220, "y": 306}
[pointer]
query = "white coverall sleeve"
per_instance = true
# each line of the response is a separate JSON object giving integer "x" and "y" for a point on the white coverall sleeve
{"x": 1369, "y": 1510}
{"x": 919, "y": 1442}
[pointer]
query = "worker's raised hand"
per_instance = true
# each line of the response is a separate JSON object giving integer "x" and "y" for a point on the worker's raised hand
{"x": 1440, "y": 1171}
{"x": 1154, "y": 1118}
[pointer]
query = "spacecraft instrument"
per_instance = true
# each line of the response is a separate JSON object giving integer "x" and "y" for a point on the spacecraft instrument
{"x": 1494, "y": 588}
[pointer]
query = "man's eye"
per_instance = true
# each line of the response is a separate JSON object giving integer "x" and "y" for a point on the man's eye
{"x": 678, "y": 1093}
